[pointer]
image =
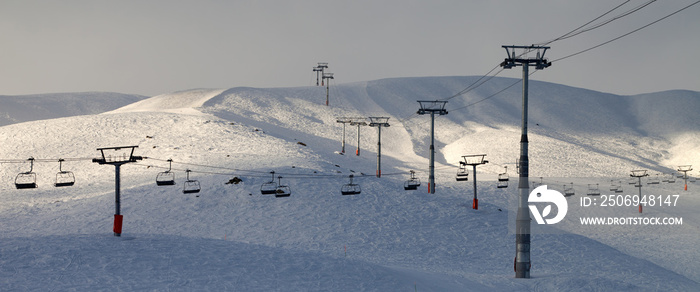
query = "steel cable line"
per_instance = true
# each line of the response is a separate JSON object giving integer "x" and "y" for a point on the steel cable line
{"x": 626, "y": 34}
{"x": 256, "y": 173}
{"x": 576, "y": 31}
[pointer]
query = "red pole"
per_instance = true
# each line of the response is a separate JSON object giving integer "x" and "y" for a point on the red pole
{"x": 475, "y": 204}
{"x": 118, "y": 224}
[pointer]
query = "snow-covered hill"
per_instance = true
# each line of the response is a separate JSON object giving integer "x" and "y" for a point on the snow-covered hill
{"x": 24, "y": 108}
{"x": 385, "y": 239}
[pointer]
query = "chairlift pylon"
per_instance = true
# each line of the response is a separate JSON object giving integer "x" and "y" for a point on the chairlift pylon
{"x": 191, "y": 186}
{"x": 26, "y": 180}
{"x": 413, "y": 183}
{"x": 166, "y": 178}
{"x": 462, "y": 173}
{"x": 64, "y": 178}
{"x": 282, "y": 190}
{"x": 270, "y": 187}
{"x": 350, "y": 188}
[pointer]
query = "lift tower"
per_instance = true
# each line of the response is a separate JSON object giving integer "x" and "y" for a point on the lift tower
{"x": 117, "y": 157}
{"x": 320, "y": 68}
{"x": 475, "y": 160}
{"x": 327, "y": 76}
{"x": 432, "y": 107}
{"x": 522, "y": 223}
{"x": 379, "y": 122}
{"x": 344, "y": 121}
{"x": 684, "y": 169}
{"x": 359, "y": 123}
{"x": 639, "y": 174}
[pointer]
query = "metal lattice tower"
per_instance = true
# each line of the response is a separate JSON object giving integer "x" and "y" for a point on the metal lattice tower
{"x": 320, "y": 68}
{"x": 522, "y": 232}
{"x": 379, "y": 122}
{"x": 327, "y": 76}
{"x": 359, "y": 123}
{"x": 474, "y": 160}
{"x": 685, "y": 169}
{"x": 639, "y": 174}
{"x": 432, "y": 107}
{"x": 117, "y": 160}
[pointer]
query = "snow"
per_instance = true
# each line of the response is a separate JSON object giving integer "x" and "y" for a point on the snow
{"x": 384, "y": 239}
{"x": 24, "y": 108}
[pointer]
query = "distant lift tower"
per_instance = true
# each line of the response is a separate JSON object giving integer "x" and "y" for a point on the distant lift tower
{"x": 320, "y": 68}
{"x": 117, "y": 156}
{"x": 344, "y": 121}
{"x": 685, "y": 169}
{"x": 379, "y": 122}
{"x": 432, "y": 107}
{"x": 639, "y": 174}
{"x": 475, "y": 160}
{"x": 327, "y": 76}
{"x": 522, "y": 225}
{"x": 358, "y": 123}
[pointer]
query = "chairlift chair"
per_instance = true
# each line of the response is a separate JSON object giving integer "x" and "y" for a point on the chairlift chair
{"x": 619, "y": 187}
{"x": 269, "y": 188}
{"x": 282, "y": 190}
{"x": 64, "y": 178}
{"x": 462, "y": 173}
{"x": 413, "y": 183}
{"x": 615, "y": 186}
{"x": 691, "y": 179}
{"x": 503, "y": 176}
{"x": 593, "y": 190}
{"x": 191, "y": 186}
{"x": 351, "y": 188}
{"x": 654, "y": 181}
{"x": 166, "y": 178}
{"x": 503, "y": 179}
{"x": 632, "y": 180}
{"x": 26, "y": 180}
{"x": 672, "y": 178}
{"x": 569, "y": 190}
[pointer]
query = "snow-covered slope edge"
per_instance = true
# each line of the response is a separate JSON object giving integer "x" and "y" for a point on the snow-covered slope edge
{"x": 24, "y": 108}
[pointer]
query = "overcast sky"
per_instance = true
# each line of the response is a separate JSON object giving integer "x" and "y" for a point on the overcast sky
{"x": 158, "y": 46}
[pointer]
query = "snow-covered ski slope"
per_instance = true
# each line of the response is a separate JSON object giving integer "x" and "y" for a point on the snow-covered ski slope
{"x": 385, "y": 239}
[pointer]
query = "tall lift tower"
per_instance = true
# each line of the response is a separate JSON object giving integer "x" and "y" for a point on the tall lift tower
{"x": 475, "y": 160}
{"x": 327, "y": 76}
{"x": 522, "y": 225}
{"x": 117, "y": 156}
{"x": 319, "y": 69}
{"x": 379, "y": 122}
{"x": 685, "y": 169}
{"x": 432, "y": 107}
{"x": 359, "y": 123}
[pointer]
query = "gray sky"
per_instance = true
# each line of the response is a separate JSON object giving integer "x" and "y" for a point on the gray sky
{"x": 157, "y": 46}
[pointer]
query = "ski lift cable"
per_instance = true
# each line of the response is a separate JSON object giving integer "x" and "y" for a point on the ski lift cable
{"x": 288, "y": 175}
{"x": 626, "y": 34}
{"x": 580, "y": 30}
